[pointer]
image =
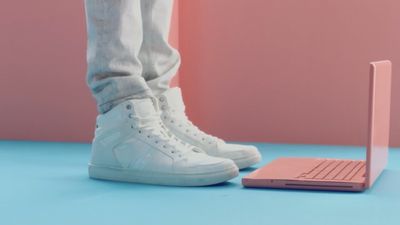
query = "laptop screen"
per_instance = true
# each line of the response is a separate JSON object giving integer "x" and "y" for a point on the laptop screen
{"x": 379, "y": 119}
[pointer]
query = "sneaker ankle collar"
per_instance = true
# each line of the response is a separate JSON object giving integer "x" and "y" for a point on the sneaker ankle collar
{"x": 171, "y": 99}
{"x": 133, "y": 107}
{"x": 141, "y": 107}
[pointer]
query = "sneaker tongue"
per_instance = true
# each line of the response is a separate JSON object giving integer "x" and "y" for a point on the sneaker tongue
{"x": 143, "y": 107}
{"x": 173, "y": 96}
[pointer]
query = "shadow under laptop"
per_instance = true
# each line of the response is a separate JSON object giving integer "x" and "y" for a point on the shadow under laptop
{"x": 293, "y": 190}
{"x": 388, "y": 184}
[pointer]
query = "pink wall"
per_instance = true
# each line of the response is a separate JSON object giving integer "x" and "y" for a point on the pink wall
{"x": 287, "y": 71}
{"x": 260, "y": 70}
{"x": 43, "y": 92}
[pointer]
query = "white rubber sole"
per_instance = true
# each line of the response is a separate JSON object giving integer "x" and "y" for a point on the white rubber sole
{"x": 247, "y": 161}
{"x": 123, "y": 175}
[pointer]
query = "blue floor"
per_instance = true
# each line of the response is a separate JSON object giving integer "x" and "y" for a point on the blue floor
{"x": 47, "y": 183}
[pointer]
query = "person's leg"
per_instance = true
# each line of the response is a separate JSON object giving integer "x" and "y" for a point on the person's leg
{"x": 115, "y": 34}
{"x": 131, "y": 143}
{"x": 160, "y": 63}
{"x": 159, "y": 59}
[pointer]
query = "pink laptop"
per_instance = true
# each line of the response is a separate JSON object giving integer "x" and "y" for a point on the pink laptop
{"x": 338, "y": 174}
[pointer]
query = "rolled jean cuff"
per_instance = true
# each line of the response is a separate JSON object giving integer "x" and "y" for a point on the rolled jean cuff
{"x": 119, "y": 89}
{"x": 105, "y": 107}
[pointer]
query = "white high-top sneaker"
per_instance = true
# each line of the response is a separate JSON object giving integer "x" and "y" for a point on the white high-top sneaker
{"x": 175, "y": 119}
{"x": 131, "y": 144}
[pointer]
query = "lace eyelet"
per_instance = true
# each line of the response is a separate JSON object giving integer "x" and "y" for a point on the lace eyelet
{"x": 139, "y": 131}
{"x": 128, "y": 107}
{"x": 148, "y": 136}
{"x": 164, "y": 146}
{"x": 130, "y": 115}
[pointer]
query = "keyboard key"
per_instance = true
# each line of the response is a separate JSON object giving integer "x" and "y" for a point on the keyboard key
{"x": 331, "y": 169}
{"x": 354, "y": 171}
{"x": 346, "y": 170}
{"x": 337, "y": 170}
{"x": 360, "y": 172}
{"x": 314, "y": 172}
{"x": 332, "y": 165}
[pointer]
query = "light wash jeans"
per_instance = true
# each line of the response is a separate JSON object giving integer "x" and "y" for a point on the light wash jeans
{"x": 128, "y": 53}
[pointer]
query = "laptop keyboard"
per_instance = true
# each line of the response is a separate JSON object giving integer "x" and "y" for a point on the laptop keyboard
{"x": 331, "y": 169}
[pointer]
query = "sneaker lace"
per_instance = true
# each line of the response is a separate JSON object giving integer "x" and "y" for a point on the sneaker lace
{"x": 153, "y": 127}
{"x": 193, "y": 129}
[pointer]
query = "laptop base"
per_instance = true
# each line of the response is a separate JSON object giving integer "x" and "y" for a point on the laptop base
{"x": 311, "y": 174}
